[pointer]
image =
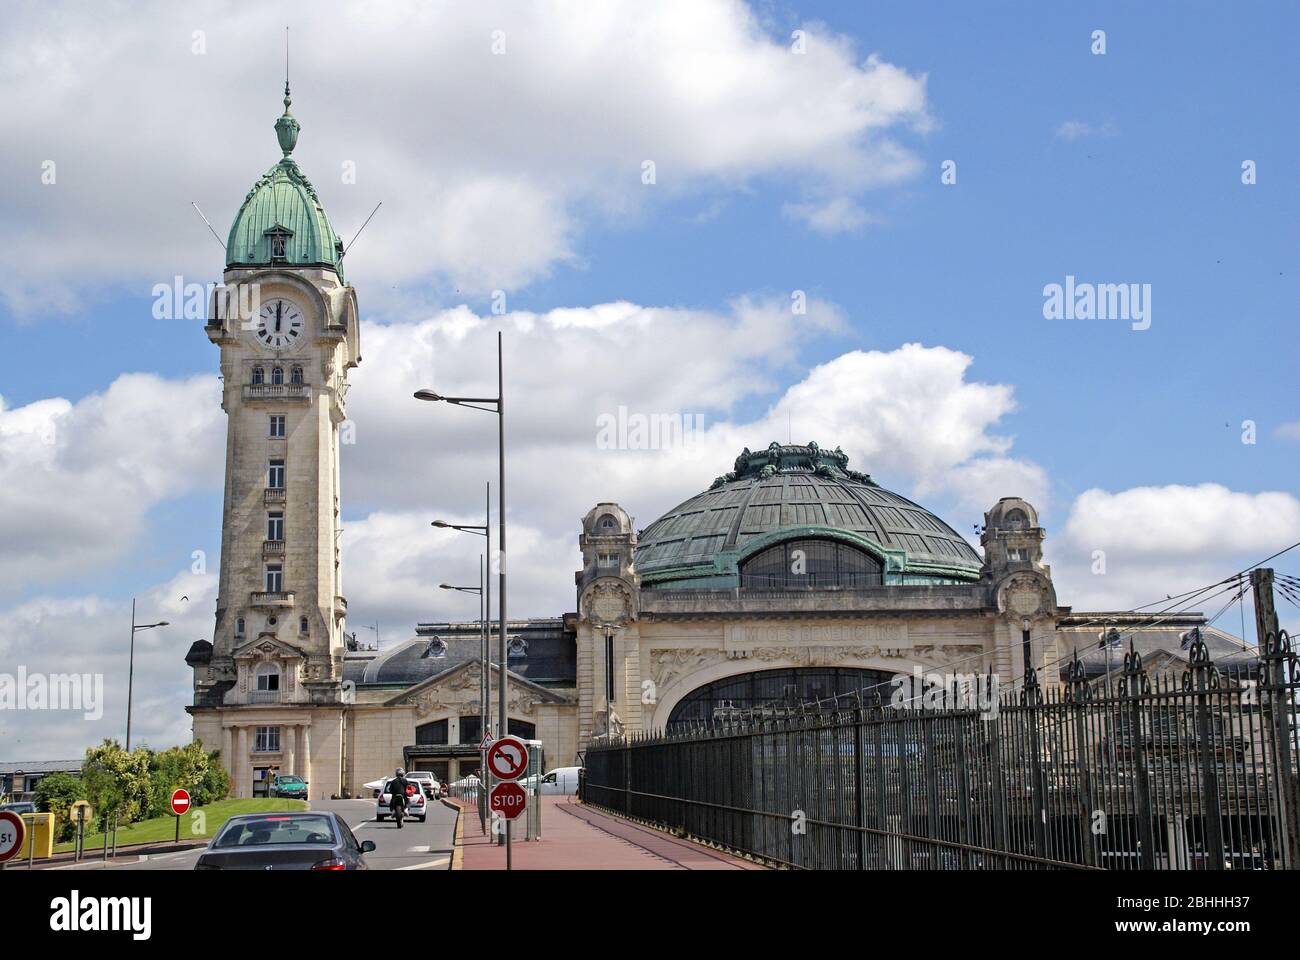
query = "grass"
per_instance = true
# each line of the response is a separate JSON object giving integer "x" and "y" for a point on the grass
{"x": 164, "y": 828}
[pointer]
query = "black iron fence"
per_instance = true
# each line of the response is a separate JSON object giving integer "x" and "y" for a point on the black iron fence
{"x": 1169, "y": 772}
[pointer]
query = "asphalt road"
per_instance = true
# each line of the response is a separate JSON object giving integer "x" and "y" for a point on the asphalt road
{"x": 417, "y": 846}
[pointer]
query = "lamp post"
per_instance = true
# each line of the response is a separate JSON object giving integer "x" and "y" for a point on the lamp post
{"x": 483, "y": 686}
{"x": 495, "y": 405}
{"x": 130, "y": 675}
{"x": 485, "y": 583}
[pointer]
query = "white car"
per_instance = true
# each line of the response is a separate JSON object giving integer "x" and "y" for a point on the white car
{"x": 429, "y": 784}
{"x": 416, "y": 808}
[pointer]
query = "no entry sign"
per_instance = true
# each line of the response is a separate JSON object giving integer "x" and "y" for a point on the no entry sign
{"x": 180, "y": 801}
{"x": 507, "y": 799}
{"x": 507, "y": 758}
{"x": 12, "y": 831}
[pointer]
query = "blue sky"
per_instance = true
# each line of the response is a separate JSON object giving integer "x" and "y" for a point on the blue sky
{"x": 1147, "y": 190}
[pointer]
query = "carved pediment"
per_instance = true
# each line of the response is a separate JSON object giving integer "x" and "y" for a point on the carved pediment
{"x": 266, "y": 647}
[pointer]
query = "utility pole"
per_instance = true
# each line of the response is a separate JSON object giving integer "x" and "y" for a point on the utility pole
{"x": 1275, "y": 701}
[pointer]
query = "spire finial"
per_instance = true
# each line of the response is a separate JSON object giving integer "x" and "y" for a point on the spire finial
{"x": 287, "y": 101}
{"x": 286, "y": 128}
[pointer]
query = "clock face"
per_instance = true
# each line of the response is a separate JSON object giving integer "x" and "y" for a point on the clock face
{"x": 280, "y": 324}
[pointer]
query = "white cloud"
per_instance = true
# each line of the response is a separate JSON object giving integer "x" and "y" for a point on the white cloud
{"x": 90, "y": 635}
{"x": 76, "y": 479}
{"x": 1083, "y": 130}
{"x": 1289, "y": 431}
{"x": 1121, "y": 549}
{"x": 837, "y": 215}
{"x": 910, "y": 416}
{"x": 489, "y": 166}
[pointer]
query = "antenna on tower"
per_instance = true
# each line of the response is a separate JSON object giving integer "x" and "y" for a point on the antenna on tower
{"x": 286, "y": 57}
{"x": 210, "y": 229}
{"x": 363, "y": 226}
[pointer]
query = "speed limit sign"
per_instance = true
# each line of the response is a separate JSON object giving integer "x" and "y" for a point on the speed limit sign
{"x": 12, "y": 831}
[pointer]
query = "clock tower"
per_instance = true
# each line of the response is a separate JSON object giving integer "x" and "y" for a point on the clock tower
{"x": 269, "y": 688}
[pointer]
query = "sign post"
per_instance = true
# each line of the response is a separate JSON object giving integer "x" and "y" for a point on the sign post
{"x": 12, "y": 832}
{"x": 507, "y": 760}
{"x": 508, "y": 799}
{"x": 180, "y": 803}
{"x": 81, "y": 812}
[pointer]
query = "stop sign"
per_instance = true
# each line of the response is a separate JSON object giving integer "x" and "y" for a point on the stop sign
{"x": 180, "y": 801}
{"x": 507, "y": 799}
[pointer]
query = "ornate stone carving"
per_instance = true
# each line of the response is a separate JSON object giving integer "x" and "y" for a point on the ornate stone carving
{"x": 469, "y": 677}
{"x": 608, "y": 601}
{"x": 667, "y": 665}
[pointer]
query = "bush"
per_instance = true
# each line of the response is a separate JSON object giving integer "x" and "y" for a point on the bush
{"x": 184, "y": 767}
{"x": 117, "y": 782}
{"x": 55, "y": 794}
{"x": 216, "y": 782}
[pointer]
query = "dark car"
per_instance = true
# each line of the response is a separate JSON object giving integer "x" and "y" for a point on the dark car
{"x": 289, "y": 787}
{"x": 19, "y": 806}
{"x": 298, "y": 840}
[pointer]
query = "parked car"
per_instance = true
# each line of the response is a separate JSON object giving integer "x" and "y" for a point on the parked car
{"x": 562, "y": 781}
{"x": 19, "y": 806}
{"x": 416, "y": 807}
{"x": 428, "y": 783}
{"x": 297, "y": 840}
{"x": 289, "y": 787}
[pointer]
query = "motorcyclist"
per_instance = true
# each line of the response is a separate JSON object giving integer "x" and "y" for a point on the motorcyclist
{"x": 397, "y": 795}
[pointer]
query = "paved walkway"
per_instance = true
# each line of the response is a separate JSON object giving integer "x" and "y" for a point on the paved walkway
{"x": 578, "y": 837}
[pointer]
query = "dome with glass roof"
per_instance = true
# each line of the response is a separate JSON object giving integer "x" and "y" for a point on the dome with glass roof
{"x": 795, "y": 515}
{"x": 281, "y": 220}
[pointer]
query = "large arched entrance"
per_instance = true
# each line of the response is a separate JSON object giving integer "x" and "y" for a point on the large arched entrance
{"x": 772, "y": 688}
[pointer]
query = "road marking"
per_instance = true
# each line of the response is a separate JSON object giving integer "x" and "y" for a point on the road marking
{"x": 425, "y": 866}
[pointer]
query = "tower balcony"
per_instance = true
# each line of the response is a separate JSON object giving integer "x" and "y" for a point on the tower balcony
{"x": 277, "y": 391}
{"x": 272, "y": 548}
{"x": 273, "y": 495}
{"x": 272, "y": 601}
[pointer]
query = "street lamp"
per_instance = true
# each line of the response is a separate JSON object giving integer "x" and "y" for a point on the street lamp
{"x": 495, "y": 405}
{"x": 130, "y": 676}
{"x": 485, "y": 647}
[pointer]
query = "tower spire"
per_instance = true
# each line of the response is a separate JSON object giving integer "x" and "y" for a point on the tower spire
{"x": 287, "y": 127}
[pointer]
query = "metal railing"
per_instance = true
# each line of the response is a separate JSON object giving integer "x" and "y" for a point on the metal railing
{"x": 1170, "y": 772}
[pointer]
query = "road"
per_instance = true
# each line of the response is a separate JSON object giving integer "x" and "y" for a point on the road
{"x": 417, "y": 846}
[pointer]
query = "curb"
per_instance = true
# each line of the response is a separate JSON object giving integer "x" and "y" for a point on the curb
{"x": 458, "y": 851}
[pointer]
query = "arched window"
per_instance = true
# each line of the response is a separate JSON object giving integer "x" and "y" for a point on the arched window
{"x": 258, "y": 376}
{"x": 429, "y": 734}
{"x": 302, "y": 626}
{"x": 295, "y": 376}
{"x": 277, "y": 375}
{"x": 773, "y": 691}
{"x": 607, "y": 522}
{"x": 239, "y": 627}
{"x": 1016, "y": 519}
{"x": 810, "y": 565}
{"x": 268, "y": 678}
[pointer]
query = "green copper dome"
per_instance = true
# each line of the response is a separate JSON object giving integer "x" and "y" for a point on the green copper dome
{"x": 791, "y": 492}
{"x": 281, "y": 219}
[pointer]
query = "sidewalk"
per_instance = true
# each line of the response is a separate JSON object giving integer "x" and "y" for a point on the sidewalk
{"x": 578, "y": 837}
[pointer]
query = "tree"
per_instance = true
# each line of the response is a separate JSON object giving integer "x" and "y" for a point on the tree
{"x": 55, "y": 794}
{"x": 185, "y": 767}
{"x": 216, "y": 782}
{"x": 117, "y": 782}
